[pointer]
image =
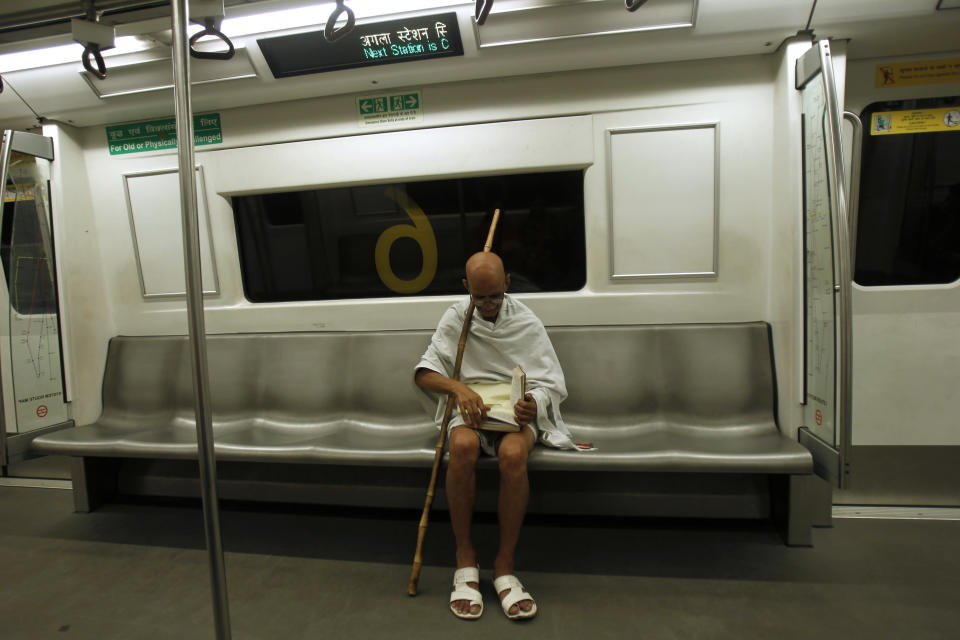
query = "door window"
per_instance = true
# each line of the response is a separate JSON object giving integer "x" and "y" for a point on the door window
{"x": 909, "y": 223}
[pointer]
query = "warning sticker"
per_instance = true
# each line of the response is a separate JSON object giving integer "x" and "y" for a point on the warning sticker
{"x": 915, "y": 121}
{"x": 909, "y": 74}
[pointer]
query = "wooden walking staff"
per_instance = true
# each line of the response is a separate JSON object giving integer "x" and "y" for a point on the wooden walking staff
{"x": 442, "y": 440}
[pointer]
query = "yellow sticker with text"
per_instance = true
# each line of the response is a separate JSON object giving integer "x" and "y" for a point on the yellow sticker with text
{"x": 915, "y": 121}
{"x": 909, "y": 74}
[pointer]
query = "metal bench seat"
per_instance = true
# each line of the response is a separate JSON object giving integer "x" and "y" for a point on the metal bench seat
{"x": 667, "y": 397}
{"x": 676, "y": 450}
{"x": 345, "y": 442}
{"x": 695, "y": 399}
{"x": 661, "y": 448}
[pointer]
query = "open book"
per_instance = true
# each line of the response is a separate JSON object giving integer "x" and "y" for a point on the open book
{"x": 501, "y": 398}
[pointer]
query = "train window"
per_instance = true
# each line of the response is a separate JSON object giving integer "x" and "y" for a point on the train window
{"x": 410, "y": 238}
{"x": 26, "y": 266}
{"x": 909, "y": 222}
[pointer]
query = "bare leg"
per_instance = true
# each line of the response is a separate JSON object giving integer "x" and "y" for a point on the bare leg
{"x": 512, "y": 506}
{"x": 461, "y": 496}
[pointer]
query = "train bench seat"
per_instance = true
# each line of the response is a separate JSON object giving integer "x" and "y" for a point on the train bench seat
{"x": 655, "y": 401}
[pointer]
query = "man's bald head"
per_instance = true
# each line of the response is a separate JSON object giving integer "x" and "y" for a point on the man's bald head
{"x": 484, "y": 265}
{"x": 486, "y": 282}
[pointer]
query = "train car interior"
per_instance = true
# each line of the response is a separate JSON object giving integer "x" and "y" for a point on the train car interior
{"x": 738, "y": 221}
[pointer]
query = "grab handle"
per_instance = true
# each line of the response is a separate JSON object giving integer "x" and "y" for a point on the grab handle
{"x": 94, "y": 50}
{"x": 210, "y": 29}
{"x": 330, "y": 32}
{"x": 483, "y": 10}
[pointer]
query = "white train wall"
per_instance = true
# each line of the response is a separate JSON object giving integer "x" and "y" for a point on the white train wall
{"x": 693, "y": 167}
{"x": 742, "y": 213}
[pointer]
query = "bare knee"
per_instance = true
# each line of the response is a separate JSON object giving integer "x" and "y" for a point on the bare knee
{"x": 464, "y": 446}
{"x": 512, "y": 458}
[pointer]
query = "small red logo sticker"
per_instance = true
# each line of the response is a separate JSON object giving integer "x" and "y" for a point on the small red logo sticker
{"x": 819, "y": 417}
{"x": 42, "y": 411}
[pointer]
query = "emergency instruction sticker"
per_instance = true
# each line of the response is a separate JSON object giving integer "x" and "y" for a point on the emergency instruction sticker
{"x": 909, "y": 74}
{"x": 915, "y": 121}
{"x": 155, "y": 135}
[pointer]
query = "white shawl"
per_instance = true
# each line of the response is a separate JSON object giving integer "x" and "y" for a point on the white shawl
{"x": 493, "y": 349}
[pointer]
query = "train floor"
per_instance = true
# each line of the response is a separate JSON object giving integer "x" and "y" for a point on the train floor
{"x": 138, "y": 570}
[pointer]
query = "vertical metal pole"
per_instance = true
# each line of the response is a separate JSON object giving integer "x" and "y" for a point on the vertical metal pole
{"x": 844, "y": 279}
{"x": 198, "y": 344}
{"x": 853, "y": 191}
{"x": 4, "y": 161}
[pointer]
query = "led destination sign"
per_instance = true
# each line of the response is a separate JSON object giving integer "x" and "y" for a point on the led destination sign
{"x": 417, "y": 38}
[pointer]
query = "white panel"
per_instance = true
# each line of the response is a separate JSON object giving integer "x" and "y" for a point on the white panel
{"x": 153, "y": 202}
{"x": 906, "y": 366}
{"x": 526, "y": 23}
{"x": 87, "y": 327}
{"x": 739, "y": 16}
{"x": 491, "y": 148}
{"x": 663, "y": 184}
{"x": 837, "y": 11}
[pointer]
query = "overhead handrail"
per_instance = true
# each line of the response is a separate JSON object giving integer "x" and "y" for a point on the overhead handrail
{"x": 211, "y": 28}
{"x": 483, "y": 10}
{"x": 633, "y": 5}
{"x": 330, "y": 32}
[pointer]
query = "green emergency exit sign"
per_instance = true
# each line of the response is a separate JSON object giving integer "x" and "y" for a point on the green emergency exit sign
{"x": 389, "y": 108}
{"x": 156, "y": 135}
{"x": 385, "y": 104}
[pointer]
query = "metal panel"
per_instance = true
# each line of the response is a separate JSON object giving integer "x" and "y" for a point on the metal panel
{"x": 33, "y": 144}
{"x": 18, "y": 445}
{"x": 827, "y": 269}
{"x": 826, "y": 459}
{"x": 808, "y": 66}
{"x": 151, "y": 205}
{"x": 675, "y": 232}
{"x": 540, "y": 22}
{"x": 903, "y": 475}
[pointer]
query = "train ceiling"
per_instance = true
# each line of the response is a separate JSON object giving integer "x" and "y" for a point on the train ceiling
{"x": 40, "y": 63}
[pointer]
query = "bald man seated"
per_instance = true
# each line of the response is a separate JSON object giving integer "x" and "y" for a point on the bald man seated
{"x": 503, "y": 334}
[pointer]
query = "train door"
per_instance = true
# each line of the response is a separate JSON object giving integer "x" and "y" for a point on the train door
{"x": 906, "y": 292}
{"x": 906, "y": 282}
{"x": 33, "y": 398}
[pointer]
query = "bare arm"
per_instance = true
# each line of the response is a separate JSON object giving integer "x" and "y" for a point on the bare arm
{"x": 471, "y": 405}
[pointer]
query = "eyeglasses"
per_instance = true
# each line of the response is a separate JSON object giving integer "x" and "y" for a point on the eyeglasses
{"x": 495, "y": 298}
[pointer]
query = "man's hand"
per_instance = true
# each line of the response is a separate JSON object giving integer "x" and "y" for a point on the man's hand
{"x": 471, "y": 406}
{"x": 525, "y": 411}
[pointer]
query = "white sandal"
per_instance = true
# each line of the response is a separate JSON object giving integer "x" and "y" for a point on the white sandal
{"x": 517, "y": 594}
{"x": 463, "y": 591}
